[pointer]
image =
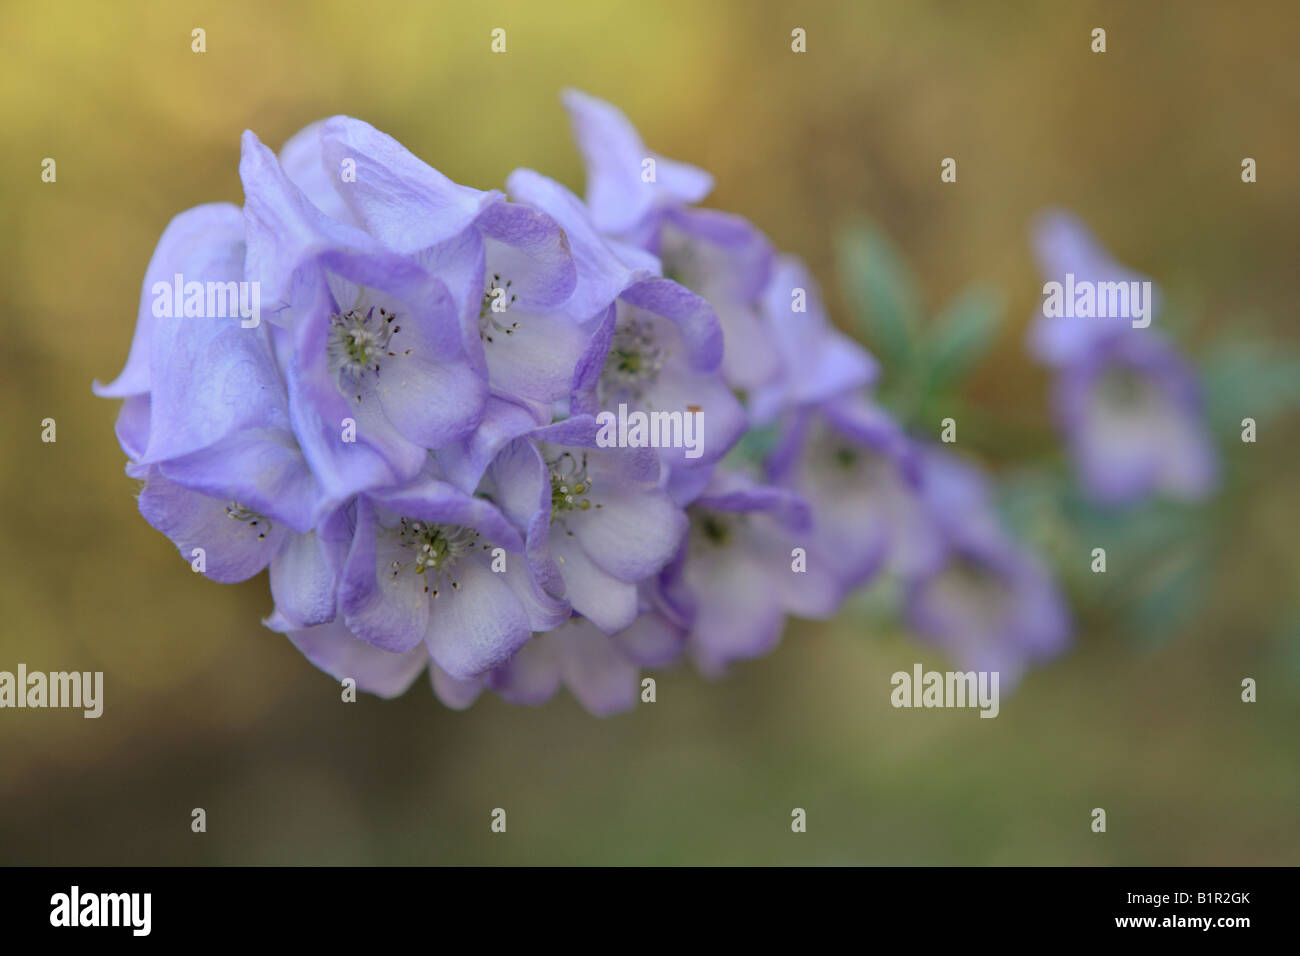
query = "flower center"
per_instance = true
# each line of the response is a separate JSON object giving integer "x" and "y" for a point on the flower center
{"x": 497, "y": 299}
{"x": 634, "y": 361}
{"x": 570, "y": 486}
{"x": 678, "y": 259}
{"x": 237, "y": 512}
{"x": 974, "y": 591}
{"x": 435, "y": 547}
{"x": 1123, "y": 387}
{"x": 713, "y": 529}
{"x": 358, "y": 343}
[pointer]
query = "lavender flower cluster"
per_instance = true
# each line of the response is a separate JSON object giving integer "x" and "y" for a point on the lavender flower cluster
{"x": 411, "y": 441}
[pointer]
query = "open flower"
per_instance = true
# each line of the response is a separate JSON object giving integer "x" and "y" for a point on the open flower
{"x": 736, "y": 576}
{"x": 367, "y": 337}
{"x": 655, "y": 345}
{"x": 859, "y": 474}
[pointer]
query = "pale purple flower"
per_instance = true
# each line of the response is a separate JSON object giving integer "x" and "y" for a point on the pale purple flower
{"x": 644, "y": 199}
{"x": 859, "y": 473}
{"x": 1128, "y": 403}
{"x": 818, "y": 362}
{"x": 981, "y": 597}
{"x": 365, "y": 335}
{"x": 655, "y": 346}
{"x": 735, "y": 578}
{"x": 207, "y": 428}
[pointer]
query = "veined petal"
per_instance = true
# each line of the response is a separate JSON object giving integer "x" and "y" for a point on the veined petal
{"x": 614, "y": 155}
{"x": 633, "y": 534}
{"x": 333, "y": 649}
{"x": 303, "y": 161}
{"x": 235, "y": 546}
{"x": 389, "y": 610}
{"x": 201, "y": 244}
{"x": 304, "y": 581}
{"x": 477, "y": 626}
{"x": 402, "y": 201}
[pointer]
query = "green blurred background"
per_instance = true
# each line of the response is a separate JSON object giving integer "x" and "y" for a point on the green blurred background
{"x": 205, "y": 708}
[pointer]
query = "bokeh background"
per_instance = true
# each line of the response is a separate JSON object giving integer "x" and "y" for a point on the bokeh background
{"x": 205, "y": 708}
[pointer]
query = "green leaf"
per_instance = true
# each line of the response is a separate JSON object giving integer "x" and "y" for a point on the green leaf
{"x": 963, "y": 332}
{"x": 1174, "y": 591}
{"x": 1250, "y": 380}
{"x": 880, "y": 287}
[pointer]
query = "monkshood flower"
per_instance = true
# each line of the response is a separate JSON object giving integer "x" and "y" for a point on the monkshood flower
{"x": 367, "y": 337}
{"x": 431, "y": 565}
{"x": 597, "y": 522}
{"x": 1128, "y": 403}
{"x": 817, "y": 361}
{"x": 860, "y": 475}
{"x": 593, "y": 523}
{"x": 417, "y": 441}
{"x": 981, "y": 597}
{"x": 655, "y": 345}
{"x": 507, "y": 264}
{"x": 430, "y": 573}
{"x": 737, "y": 575}
{"x": 206, "y": 427}
{"x": 645, "y": 200}
{"x": 603, "y": 671}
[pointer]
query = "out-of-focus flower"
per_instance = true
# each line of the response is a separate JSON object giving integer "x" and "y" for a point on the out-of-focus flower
{"x": 738, "y": 576}
{"x": 818, "y": 362}
{"x": 1128, "y": 403}
{"x": 980, "y": 596}
{"x": 858, "y": 472}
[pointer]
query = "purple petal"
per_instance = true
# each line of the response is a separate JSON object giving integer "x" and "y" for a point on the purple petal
{"x": 477, "y": 626}
{"x": 232, "y": 548}
{"x": 596, "y": 670}
{"x": 335, "y": 651}
{"x": 403, "y": 201}
{"x": 613, "y": 153}
{"x": 204, "y": 243}
{"x": 390, "y": 611}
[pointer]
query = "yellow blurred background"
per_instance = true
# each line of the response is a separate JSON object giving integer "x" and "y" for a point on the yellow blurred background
{"x": 205, "y": 708}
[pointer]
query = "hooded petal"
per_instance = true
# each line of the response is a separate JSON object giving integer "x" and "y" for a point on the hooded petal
{"x": 201, "y": 244}
{"x": 402, "y": 201}
{"x": 303, "y": 160}
{"x": 614, "y": 155}
{"x": 601, "y": 271}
